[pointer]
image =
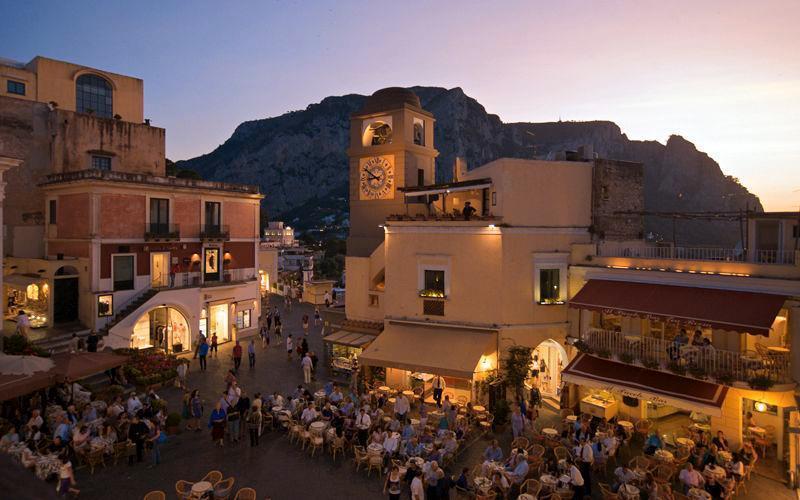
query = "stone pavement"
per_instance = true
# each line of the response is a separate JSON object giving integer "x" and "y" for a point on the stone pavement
{"x": 276, "y": 469}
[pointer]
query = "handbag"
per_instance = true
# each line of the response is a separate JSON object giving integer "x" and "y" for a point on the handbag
{"x": 162, "y": 437}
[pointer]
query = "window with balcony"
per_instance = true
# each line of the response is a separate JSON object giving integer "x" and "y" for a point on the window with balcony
{"x": 101, "y": 162}
{"x": 122, "y": 272}
{"x": 52, "y": 212}
{"x": 434, "y": 284}
{"x": 159, "y": 216}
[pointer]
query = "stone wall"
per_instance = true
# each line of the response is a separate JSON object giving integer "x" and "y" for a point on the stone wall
{"x": 617, "y": 186}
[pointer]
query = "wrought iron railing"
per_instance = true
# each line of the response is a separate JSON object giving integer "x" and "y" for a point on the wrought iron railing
{"x": 698, "y": 253}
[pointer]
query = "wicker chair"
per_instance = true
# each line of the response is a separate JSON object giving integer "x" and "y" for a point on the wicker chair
{"x": 607, "y": 493}
{"x": 520, "y": 442}
{"x": 643, "y": 427}
{"x": 531, "y": 487}
{"x": 315, "y": 442}
{"x": 155, "y": 495}
{"x": 183, "y": 489}
{"x": 245, "y": 494}
{"x": 223, "y": 489}
{"x": 360, "y": 457}
{"x": 337, "y": 445}
{"x": 122, "y": 450}
{"x": 213, "y": 477}
{"x": 95, "y": 458}
{"x": 536, "y": 450}
{"x": 640, "y": 462}
{"x": 561, "y": 453}
{"x": 663, "y": 474}
{"x": 374, "y": 462}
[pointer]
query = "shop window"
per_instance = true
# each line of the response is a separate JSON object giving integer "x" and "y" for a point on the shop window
{"x": 32, "y": 292}
{"x": 243, "y": 319}
{"x": 105, "y": 305}
{"x": 122, "y": 272}
{"x": 434, "y": 283}
{"x": 13, "y": 87}
{"x": 52, "y": 216}
{"x": 549, "y": 286}
{"x": 211, "y": 264}
{"x": 101, "y": 163}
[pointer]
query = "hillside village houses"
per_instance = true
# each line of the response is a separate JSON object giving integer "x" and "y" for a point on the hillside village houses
{"x": 98, "y": 237}
{"x": 553, "y": 258}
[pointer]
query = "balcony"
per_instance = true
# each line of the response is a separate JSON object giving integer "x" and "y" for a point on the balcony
{"x": 713, "y": 254}
{"x": 214, "y": 232}
{"x": 758, "y": 370}
{"x": 159, "y": 231}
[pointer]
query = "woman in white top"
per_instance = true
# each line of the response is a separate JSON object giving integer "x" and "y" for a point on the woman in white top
{"x": 66, "y": 479}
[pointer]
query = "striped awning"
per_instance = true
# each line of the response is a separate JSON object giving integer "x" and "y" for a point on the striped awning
{"x": 348, "y": 338}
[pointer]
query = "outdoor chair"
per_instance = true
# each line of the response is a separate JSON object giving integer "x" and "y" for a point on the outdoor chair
{"x": 374, "y": 462}
{"x": 213, "y": 477}
{"x": 155, "y": 495}
{"x": 95, "y": 458}
{"x": 531, "y": 487}
{"x": 183, "y": 489}
{"x": 607, "y": 493}
{"x": 360, "y": 457}
{"x": 245, "y": 494}
{"x": 223, "y": 489}
{"x": 337, "y": 445}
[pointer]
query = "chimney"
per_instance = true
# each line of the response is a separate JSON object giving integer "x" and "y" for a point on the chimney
{"x": 586, "y": 152}
{"x": 459, "y": 168}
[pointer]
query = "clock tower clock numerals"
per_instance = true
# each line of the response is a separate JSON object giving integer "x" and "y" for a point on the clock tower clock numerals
{"x": 376, "y": 178}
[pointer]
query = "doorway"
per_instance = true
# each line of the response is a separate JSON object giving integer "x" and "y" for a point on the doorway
{"x": 65, "y": 300}
{"x": 218, "y": 322}
{"x": 159, "y": 269}
{"x": 551, "y": 357}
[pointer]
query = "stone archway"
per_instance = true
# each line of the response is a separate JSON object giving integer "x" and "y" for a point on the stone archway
{"x": 165, "y": 326}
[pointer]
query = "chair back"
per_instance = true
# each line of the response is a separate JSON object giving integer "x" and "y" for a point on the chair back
{"x": 531, "y": 487}
{"x": 213, "y": 477}
{"x": 536, "y": 450}
{"x": 155, "y": 495}
{"x": 561, "y": 453}
{"x": 245, "y": 494}
{"x": 223, "y": 488}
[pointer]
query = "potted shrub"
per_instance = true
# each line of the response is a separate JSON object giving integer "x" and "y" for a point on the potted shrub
{"x": 676, "y": 368}
{"x": 761, "y": 383}
{"x": 725, "y": 378}
{"x": 501, "y": 412}
{"x": 651, "y": 363}
{"x": 698, "y": 372}
{"x": 604, "y": 353}
{"x": 583, "y": 346}
{"x": 173, "y": 423}
{"x": 627, "y": 358}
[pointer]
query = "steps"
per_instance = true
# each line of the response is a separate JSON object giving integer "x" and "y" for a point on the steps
{"x": 131, "y": 307}
{"x": 59, "y": 343}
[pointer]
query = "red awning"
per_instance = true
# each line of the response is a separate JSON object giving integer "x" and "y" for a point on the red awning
{"x": 642, "y": 383}
{"x": 746, "y": 312}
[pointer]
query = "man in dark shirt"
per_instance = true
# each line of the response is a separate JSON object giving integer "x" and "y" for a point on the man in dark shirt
{"x": 137, "y": 432}
{"x": 468, "y": 210}
{"x": 91, "y": 341}
{"x": 720, "y": 441}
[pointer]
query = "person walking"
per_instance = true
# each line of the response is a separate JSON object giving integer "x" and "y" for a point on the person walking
{"x": 269, "y": 319}
{"x": 195, "y": 411}
{"x": 289, "y": 347}
{"x": 327, "y": 298}
{"x": 214, "y": 345}
{"x": 264, "y": 333}
{"x": 317, "y": 317}
{"x": 251, "y": 353}
{"x": 217, "y": 424}
{"x": 156, "y": 438}
{"x": 183, "y": 370}
{"x": 137, "y": 432}
{"x": 305, "y": 325}
{"x": 202, "y": 352}
{"x": 254, "y": 419}
{"x": 306, "y": 363}
{"x": 438, "y": 388}
{"x": 237, "y": 356}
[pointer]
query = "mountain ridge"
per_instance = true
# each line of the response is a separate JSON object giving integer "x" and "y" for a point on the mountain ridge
{"x": 299, "y": 160}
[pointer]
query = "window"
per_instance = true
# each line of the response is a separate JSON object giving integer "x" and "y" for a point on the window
{"x": 211, "y": 264}
{"x": 52, "y": 213}
{"x": 419, "y": 132}
{"x": 374, "y": 300}
{"x": 213, "y": 218}
{"x": 159, "y": 215}
{"x": 13, "y": 87}
{"x": 101, "y": 162}
{"x": 434, "y": 283}
{"x": 122, "y": 272}
{"x": 243, "y": 319}
{"x": 105, "y": 305}
{"x": 420, "y": 177}
{"x": 94, "y": 95}
{"x": 549, "y": 283}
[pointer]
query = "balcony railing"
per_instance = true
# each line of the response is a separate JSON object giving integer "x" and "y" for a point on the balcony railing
{"x": 698, "y": 253}
{"x": 161, "y": 231}
{"x": 214, "y": 232}
{"x": 725, "y": 367}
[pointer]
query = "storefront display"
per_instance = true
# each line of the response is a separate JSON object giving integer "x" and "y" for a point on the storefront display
{"x": 218, "y": 322}
{"x": 344, "y": 347}
{"x": 29, "y": 294}
{"x": 162, "y": 327}
{"x": 600, "y": 404}
{"x": 105, "y": 305}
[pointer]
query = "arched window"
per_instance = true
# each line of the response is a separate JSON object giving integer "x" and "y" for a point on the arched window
{"x": 93, "y": 95}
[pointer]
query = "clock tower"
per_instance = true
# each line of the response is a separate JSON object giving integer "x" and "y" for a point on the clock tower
{"x": 391, "y": 146}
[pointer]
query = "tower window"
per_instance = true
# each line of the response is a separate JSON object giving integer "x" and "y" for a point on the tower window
{"x": 94, "y": 95}
{"x": 380, "y": 133}
{"x": 13, "y": 87}
{"x": 52, "y": 212}
{"x": 419, "y": 132}
{"x": 101, "y": 162}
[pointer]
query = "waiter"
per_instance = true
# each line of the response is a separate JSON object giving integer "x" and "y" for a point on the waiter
{"x": 438, "y": 389}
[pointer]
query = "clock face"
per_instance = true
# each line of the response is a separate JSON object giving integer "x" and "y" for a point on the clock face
{"x": 376, "y": 179}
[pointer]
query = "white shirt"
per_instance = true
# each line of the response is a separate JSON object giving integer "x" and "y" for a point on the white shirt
{"x": 363, "y": 421}
{"x": 401, "y": 405}
{"x": 575, "y": 476}
{"x": 438, "y": 383}
{"x": 306, "y": 362}
{"x": 391, "y": 443}
{"x": 417, "y": 490}
{"x": 692, "y": 478}
{"x": 587, "y": 454}
{"x": 308, "y": 415}
{"x": 134, "y": 405}
{"x": 288, "y": 344}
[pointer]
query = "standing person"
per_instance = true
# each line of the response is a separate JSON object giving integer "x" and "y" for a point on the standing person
{"x": 392, "y": 483}
{"x": 66, "y": 478}
{"x": 217, "y": 424}
{"x": 183, "y": 369}
{"x": 264, "y": 333}
{"x": 269, "y": 319}
{"x": 24, "y": 325}
{"x": 438, "y": 388}
{"x": 278, "y": 331}
{"x": 175, "y": 269}
{"x": 251, "y": 353}
{"x": 195, "y": 411}
{"x": 254, "y": 425}
{"x": 214, "y": 345}
{"x": 314, "y": 361}
{"x": 137, "y": 432}
{"x": 237, "y": 356}
{"x": 417, "y": 489}
{"x": 202, "y": 352}
{"x": 401, "y": 407}
{"x": 305, "y": 325}
{"x": 317, "y": 318}
{"x": 363, "y": 423}
{"x": 289, "y": 347}
{"x": 586, "y": 459}
{"x": 517, "y": 422}
{"x": 306, "y": 364}
{"x": 327, "y": 298}
{"x": 92, "y": 341}
{"x": 155, "y": 440}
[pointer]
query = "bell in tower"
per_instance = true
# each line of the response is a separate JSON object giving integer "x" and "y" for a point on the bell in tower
{"x": 391, "y": 147}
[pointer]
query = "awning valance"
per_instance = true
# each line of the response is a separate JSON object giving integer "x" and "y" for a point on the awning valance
{"x": 650, "y": 385}
{"x": 746, "y": 312}
{"x": 348, "y": 338}
{"x": 450, "y": 187}
{"x": 452, "y": 352}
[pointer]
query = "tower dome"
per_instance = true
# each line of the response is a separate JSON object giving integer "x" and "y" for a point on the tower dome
{"x": 390, "y": 98}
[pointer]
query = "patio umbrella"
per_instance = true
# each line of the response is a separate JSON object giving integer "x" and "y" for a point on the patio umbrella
{"x": 80, "y": 365}
{"x": 23, "y": 365}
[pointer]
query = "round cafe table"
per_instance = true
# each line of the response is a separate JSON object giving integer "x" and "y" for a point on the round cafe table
{"x": 726, "y": 456}
{"x": 714, "y": 470}
{"x": 572, "y": 418}
{"x": 483, "y": 484}
{"x": 698, "y": 494}
{"x": 700, "y": 427}
{"x": 550, "y": 432}
{"x": 375, "y": 448}
{"x": 318, "y": 426}
{"x": 409, "y": 394}
{"x": 478, "y": 409}
{"x": 627, "y": 425}
{"x": 757, "y": 430}
{"x": 200, "y": 488}
{"x": 664, "y": 456}
{"x": 685, "y": 442}
{"x": 628, "y": 491}
{"x": 548, "y": 481}
{"x": 276, "y": 409}
{"x": 384, "y": 388}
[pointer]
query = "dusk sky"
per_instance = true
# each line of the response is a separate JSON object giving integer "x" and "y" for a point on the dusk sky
{"x": 723, "y": 74}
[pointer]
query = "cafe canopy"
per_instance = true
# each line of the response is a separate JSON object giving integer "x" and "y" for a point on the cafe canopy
{"x": 745, "y": 312}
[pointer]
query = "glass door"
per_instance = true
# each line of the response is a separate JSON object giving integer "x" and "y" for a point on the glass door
{"x": 159, "y": 269}
{"x": 218, "y": 322}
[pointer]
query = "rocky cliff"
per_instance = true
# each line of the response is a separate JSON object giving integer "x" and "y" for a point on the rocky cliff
{"x": 299, "y": 161}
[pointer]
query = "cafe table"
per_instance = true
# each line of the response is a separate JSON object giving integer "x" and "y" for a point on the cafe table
{"x": 757, "y": 430}
{"x": 526, "y": 496}
{"x": 200, "y": 488}
{"x": 384, "y": 389}
{"x": 664, "y": 456}
{"x": 483, "y": 484}
{"x": 318, "y": 426}
{"x": 409, "y": 394}
{"x": 549, "y": 481}
{"x": 550, "y": 432}
{"x": 628, "y": 426}
{"x": 418, "y": 461}
{"x": 726, "y": 456}
{"x": 685, "y": 442}
{"x": 478, "y": 409}
{"x": 698, "y": 494}
{"x": 714, "y": 470}
{"x": 375, "y": 448}
{"x": 572, "y": 418}
{"x": 700, "y": 427}
{"x": 628, "y": 491}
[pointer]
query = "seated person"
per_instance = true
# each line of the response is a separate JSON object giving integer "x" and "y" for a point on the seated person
{"x": 394, "y": 425}
{"x": 493, "y": 452}
{"x": 449, "y": 444}
{"x": 336, "y": 396}
{"x": 714, "y": 488}
{"x": 89, "y": 414}
{"x": 57, "y": 447}
{"x": 576, "y": 479}
{"x": 721, "y": 442}
{"x": 500, "y": 484}
{"x": 80, "y": 439}
{"x": 392, "y": 443}
{"x": 624, "y": 475}
{"x": 736, "y": 467}
{"x": 463, "y": 480}
{"x": 690, "y": 478}
{"x": 408, "y": 431}
{"x": 28, "y": 457}
{"x": 327, "y": 412}
{"x": 413, "y": 448}
{"x": 517, "y": 475}
{"x": 309, "y": 414}
{"x": 748, "y": 453}
{"x": 378, "y": 436}
{"x": 11, "y": 437}
{"x": 712, "y": 456}
{"x": 653, "y": 443}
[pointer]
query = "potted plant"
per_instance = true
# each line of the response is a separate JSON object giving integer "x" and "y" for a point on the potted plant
{"x": 173, "y": 423}
{"x": 627, "y": 358}
{"x": 651, "y": 363}
{"x": 698, "y": 372}
{"x": 604, "y": 353}
{"x": 583, "y": 346}
{"x": 761, "y": 383}
{"x": 501, "y": 412}
{"x": 676, "y": 368}
{"x": 724, "y": 378}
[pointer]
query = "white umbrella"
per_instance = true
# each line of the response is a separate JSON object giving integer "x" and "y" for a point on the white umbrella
{"x": 23, "y": 365}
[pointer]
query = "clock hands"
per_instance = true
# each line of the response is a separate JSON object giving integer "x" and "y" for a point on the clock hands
{"x": 377, "y": 178}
